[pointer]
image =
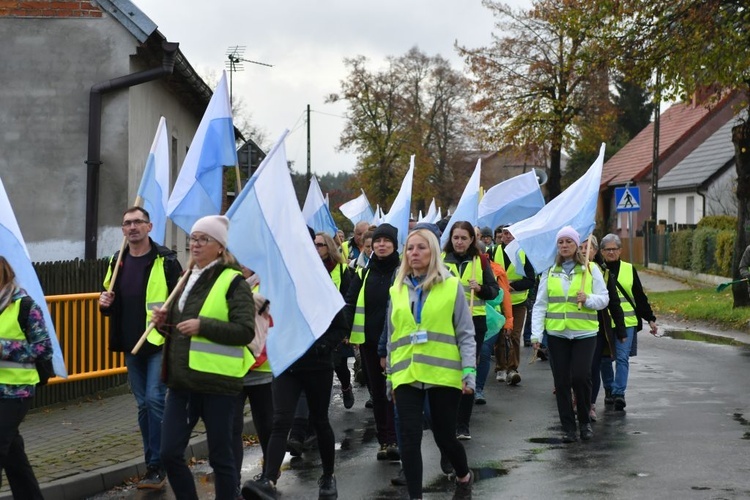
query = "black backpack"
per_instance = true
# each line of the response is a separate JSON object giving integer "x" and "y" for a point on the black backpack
{"x": 43, "y": 366}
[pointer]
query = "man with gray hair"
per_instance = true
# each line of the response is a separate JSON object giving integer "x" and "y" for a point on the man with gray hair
{"x": 636, "y": 308}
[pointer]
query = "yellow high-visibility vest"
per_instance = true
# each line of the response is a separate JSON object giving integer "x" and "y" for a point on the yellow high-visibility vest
{"x": 476, "y": 263}
{"x": 562, "y": 310}
{"x": 516, "y": 296}
{"x": 11, "y": 372}
{"x": 210, "y": 357}
{"x": 437, "y": 361}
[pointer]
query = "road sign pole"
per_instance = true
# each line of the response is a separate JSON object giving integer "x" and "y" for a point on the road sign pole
{"x": 630, "y": 239}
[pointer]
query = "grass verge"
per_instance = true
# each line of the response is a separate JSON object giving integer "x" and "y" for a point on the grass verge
{"x": 701, "y": 303}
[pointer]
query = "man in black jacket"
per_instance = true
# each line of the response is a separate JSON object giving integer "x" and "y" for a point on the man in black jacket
{"x": 147, "y": 273}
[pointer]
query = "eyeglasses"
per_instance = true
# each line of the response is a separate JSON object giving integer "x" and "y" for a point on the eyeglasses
{"x": 610, "y": 250}
{"x": 134, "y": 222}
{"x": 200, "y": 241}
{"x": 320, "y": 245}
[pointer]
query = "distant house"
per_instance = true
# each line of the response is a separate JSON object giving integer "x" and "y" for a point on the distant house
{"x": 84, "y": 86}
{"x": 683, "y": 127}
{"x": 703, "y": 183}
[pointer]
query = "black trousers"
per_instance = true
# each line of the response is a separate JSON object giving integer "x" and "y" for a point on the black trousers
{"x": 466, "y": 406}
{"x": 443, "y": 403}
{"x": 382, "y": 408}
{"x": 261, "y": 407}
{"x": 13, "y": 459}
{"x": 571, "y": 369}
{"x": 287, "y": 387}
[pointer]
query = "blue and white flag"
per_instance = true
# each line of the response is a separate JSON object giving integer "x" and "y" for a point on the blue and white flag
{"x": 576, "y": 206}
{"x": 511, "y": 201}
{"x": 468, "y": 205}
{"x": 316, "y": 212}
{"x": 398, "y": 215}
{"x": 377, "y": 219}
{"x": 430, "y": 215}
{"x": 265, "y": 223}
{"x": 154, "y": 188}
{"x": 13, "y": 248}
{"x": 198, "y": 189}
{"x": 358, "y": 209}
{"x": 438, "y": 215}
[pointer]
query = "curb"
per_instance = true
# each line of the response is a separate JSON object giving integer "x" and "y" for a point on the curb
{"x": 93, "y": 482}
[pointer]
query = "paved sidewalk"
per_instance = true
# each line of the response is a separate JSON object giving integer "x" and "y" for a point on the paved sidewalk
{"x": 85, "y": 447}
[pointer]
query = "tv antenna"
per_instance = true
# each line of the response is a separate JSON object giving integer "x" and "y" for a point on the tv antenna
{"x": 235, "y": 63}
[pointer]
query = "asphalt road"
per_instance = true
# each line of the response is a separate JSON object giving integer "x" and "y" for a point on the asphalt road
{"x": 685, "y": 435}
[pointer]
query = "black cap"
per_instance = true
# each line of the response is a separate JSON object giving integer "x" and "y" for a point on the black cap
{"x": 430, "y": 227}
{"x": 385, "y": 230}
{"x": 486, "y": 231}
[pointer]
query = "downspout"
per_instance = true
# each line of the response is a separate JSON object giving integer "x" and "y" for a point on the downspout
{"x": 95, "y": 135}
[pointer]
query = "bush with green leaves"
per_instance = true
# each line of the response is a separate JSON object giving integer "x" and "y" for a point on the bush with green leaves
{"x": 724, "y": 252}
{"x": 703, "y": 249}
{"x": 721, "y": 222}
{"x": 680, "y": 243}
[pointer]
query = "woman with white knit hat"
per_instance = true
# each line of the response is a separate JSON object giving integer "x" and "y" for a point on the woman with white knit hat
{"x": 205, "y": 358}
{"x": 569, "y": 295}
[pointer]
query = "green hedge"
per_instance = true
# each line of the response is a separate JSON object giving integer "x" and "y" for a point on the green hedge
{"x": 721, "y": 222}
{"x": 703, "y": 250}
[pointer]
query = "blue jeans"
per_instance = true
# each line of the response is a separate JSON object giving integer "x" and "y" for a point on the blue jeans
{"x": 617, "y": 382}
{"x": 183, "y": 409}
{"x": 144, "y": 377}
{"x": 485, "y": 359}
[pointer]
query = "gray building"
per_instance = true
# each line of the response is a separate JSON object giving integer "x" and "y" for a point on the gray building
{"x": 84, "y": 86}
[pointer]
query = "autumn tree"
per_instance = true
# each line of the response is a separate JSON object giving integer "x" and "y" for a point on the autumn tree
{"x": 537, "y": 76}
{"x": 694, "y": 45}
{"x": 412, "y": 106}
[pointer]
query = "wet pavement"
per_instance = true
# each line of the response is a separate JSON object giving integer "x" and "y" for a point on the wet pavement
{"x": 685, "y": 434}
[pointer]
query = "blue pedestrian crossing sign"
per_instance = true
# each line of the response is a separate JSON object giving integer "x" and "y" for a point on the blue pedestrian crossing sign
{"x": 628, "y": 199}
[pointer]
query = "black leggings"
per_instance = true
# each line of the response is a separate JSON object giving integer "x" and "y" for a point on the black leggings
{"x": 571, "y": 368}
{"x": 287, "y": 388}
{"x": 443, "y": 403}
{"x": 466, "y": 406}
{"x": 261, "y": 407}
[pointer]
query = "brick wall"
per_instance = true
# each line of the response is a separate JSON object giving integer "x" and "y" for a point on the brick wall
{"x": 48, "y": 8}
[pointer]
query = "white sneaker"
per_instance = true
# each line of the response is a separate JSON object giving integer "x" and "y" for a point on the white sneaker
{"x": 500, "y": 376}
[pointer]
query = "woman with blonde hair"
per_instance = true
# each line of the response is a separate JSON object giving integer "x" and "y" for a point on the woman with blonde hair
{"x": 431, "y": 351}
{"x": 23, "y": 340}
{"x": 569, "y": 296}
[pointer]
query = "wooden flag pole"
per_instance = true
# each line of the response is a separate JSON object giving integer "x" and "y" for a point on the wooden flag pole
{"x": 585, "y": 269}
{"x": 164, "y": 307}
{"x": 239, "y": 182}
{"x": 116, "y": 270}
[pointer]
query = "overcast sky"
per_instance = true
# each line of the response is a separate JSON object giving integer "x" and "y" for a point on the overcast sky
{"x": 307, "y": 41}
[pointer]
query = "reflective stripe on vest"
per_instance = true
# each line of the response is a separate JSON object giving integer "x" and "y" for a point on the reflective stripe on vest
{"x": 11, "y": 372}
{"x": 437, "y": 361}
{"x": 625, "y": 278}
{"x": 157, "y": 292}
{"x": 210, "y": 357}
{"x": 345, "y": 249}
{"x": 358, "y": 326}
{"x": 516, "y": 297}
{"x": 562, "y": 310}
{"x": 476, "y": 264}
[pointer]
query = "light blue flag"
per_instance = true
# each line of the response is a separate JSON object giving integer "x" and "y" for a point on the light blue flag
{"x": 576, "y": 206}
{"x": 468, "y": 206}
{"x": 316, "y": 212}
{"x": 398, "y": 215}
{"x": 198, "y": 189}
{"x": 358, "y": 210}
{"x": 154, "y": 188}
{"x": 13, "y": 248}
{"x": 429, "y": 217}
{"x": 265, "y": 223}
{"x": 511, "y": 201}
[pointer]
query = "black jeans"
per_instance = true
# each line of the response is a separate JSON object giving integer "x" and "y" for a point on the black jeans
{"x": 182, "y": 411}
{"x": 571, "y": 368}
{"x": 13, "y": 459}
{"x": 287, "y": 388}
{"x": 382, "y": 408}
{"x": 443, "y": 403}
{"x": 261, "y": 407}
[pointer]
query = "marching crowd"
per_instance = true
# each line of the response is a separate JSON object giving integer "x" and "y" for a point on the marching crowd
{"x": 425, "y": 326}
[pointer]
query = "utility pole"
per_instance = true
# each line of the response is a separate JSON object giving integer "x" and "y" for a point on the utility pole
{"x": 309, "y": 170}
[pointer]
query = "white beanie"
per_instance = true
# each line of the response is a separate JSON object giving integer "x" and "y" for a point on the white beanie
{"x": 216, "y": 226}
{"x": 569, "y": 232}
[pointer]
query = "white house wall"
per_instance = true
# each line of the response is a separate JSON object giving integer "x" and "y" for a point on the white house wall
{"x": 681, "y": 204}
